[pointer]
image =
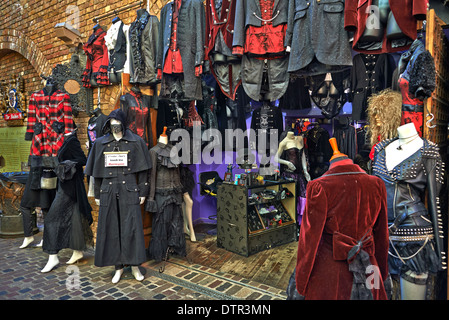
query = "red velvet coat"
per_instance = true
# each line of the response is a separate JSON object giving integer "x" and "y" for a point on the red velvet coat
{"x": 340, "y": 209}
{"x": 223, "y": 23}
{"x": 406, "y": 13}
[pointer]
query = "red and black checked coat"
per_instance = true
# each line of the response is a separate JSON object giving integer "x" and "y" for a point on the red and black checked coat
{"x": 49, "y": 118}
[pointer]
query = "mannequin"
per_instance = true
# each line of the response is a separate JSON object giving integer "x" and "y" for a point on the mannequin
{"x": 44, "y": 148}
{"x": 69, "y": 217}
{"x": 292, "y": 147}
{"x": 165, "y": 203}
{"x": 289, "y": 142}
{"x": 120, "y": 190}
{"x": 410, "y": 168}
{"x": 408, "y": 143}
{"x": 344, "y": 231}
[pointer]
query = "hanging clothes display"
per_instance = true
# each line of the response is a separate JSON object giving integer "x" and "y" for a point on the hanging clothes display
{"x": 165, "y": 203}
{"x": 259, "y": 32}
{"x": 180, "y": 55}
{"x": 224, "y": 66}
{"x": 116, "y": 40}
{"x": 136, "y": 107}
{"x": 318, "y": 41}
{"x": 96, "y": 72}
{"x": 297, "y": 95}
{"x": 143, "y": 41}
{"x": 371, "y": 74}
{"x": 391, "y": 28}
{"x": 416, "y": 71}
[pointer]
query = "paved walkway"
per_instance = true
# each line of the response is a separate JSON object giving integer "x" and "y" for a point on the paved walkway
{"x": 21, "y": 279}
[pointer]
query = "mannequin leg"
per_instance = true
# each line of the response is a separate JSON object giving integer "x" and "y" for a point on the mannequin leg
{"x": 188, "y": 214}
{"x": 76, "y": 255}
{"x": 52, "y": 262}
{"x": 136, "y": 273}
{"x": 27, "y": 227}
{"x": 413, "y": 286}
{"x": 117, "y": 275}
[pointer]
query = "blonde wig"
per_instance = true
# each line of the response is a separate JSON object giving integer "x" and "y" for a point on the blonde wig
{"x": 386, "y": 106}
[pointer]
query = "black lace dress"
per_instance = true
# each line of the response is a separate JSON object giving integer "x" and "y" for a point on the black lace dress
{"x": 165, "y": 203}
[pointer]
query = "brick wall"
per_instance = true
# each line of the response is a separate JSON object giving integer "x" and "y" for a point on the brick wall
{"x": 29, "y": 46}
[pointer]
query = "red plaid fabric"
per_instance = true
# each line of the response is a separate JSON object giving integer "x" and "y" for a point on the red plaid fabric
{"x": 47, "y": 113}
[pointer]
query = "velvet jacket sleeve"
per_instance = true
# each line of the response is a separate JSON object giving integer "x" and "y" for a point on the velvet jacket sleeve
{"x": 380, "y": 233}
{"x": 351, "y": 15}
{"x": 312, "y": 227}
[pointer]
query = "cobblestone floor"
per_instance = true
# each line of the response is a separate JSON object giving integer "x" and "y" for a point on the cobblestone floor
{"x": 21, "y": 279}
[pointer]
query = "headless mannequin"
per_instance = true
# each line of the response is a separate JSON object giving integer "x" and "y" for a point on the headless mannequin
{"x": 408, "y": 143}
{"x": 187, "y": 200}
{"x": 386, "y": 20}
{"x": 292, "y": 141}
{"x": 50, "y": 88}
{"x": 134, "y": 269}
{"x": 53, "y": 259}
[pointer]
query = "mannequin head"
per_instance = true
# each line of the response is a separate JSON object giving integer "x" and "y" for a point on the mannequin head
{"x": 384, "y": 114}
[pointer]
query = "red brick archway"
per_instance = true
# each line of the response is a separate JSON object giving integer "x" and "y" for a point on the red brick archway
{"x": 13, "y": 40}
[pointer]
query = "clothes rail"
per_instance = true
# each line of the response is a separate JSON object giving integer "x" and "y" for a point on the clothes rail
{"x": 117, "y": 11}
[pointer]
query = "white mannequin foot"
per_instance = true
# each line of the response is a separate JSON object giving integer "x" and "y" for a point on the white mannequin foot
{"x": 26, "y": 242}
{"x": 117, "y": 275}
{"x": 53, "y": 261}
{"x": 40, "y": 243}
{"x": 192, "y": 237}
{"x": 76, "y": 256}
{"x": 136, "y": 273}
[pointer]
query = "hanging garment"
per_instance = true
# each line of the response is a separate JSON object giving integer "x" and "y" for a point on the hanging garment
{"x": 97, "y": 59}
{"x": 136, "y": 107}
{"x": 416, "y": 82}
{"x": 224, "y": 66}
{"x": 297, "y": 96}
{"x": 346, "y": 137}
{"x": 190, "y": 40}
{"x": 165, "y": 203}
{"x": 67, "y": 222}
{"x": 49, "y": 118}
{"x": 259, "y": 33}
{"x": 120, "y": 239}
{"x": 319, "y": 150}
{"x": 95, "y": 126}
{"x": 370, "y": 74}
{"x": 143, "y": 42}
{"x": 344, "y": 230}
{"x": 267, "y": 121}
{"x": 318, "y": 41}
{"x": 406, "y": 13}
{"x": 416, "y": 233}
{"x": 117, "y": 42}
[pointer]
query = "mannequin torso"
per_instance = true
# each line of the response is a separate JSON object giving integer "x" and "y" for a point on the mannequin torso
{"x": 409, "y": 142}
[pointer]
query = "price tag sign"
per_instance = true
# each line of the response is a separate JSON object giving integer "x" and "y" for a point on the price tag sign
{"x": 116, "y": 159}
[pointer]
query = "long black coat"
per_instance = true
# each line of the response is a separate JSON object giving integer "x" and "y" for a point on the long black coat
{"x": 190, "y": 41}
{"x": 120, "y": 238}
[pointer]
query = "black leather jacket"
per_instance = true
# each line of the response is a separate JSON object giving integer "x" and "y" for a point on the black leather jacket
{"x": 406, "y": 185}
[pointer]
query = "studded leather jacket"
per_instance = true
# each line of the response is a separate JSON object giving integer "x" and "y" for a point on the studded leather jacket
{"x": 406, "y": 185}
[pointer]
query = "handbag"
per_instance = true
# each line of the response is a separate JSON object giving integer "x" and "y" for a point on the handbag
{"x": 48, "y": 179}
